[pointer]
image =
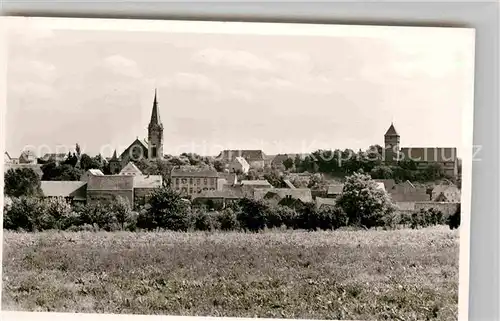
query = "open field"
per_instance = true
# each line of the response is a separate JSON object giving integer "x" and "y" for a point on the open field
{"x": 393, "y": 275}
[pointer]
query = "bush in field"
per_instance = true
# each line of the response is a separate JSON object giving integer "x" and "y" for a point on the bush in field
{"x": 453, "y": 221}
{"x": 289, "y": 216}
{"x": 426, "y": 217}
{"x": 205, "y": 221}
{"x": 59, "y": 214}
{"x": 100, "y": 215}
{"x": 252, "y": 215}
{"x": 228, "y": 220}
{"x": 25, "y": 213}
{"x": 363, "y": 202}
{"x": 166, "y": 210}
{"x": 122, "y": 212}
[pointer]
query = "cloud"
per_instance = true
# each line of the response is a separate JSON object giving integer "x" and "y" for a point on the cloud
{"x": 32, "y": 90}
{"x": 235, "y": 59}
{"x": 123, "y": 66}
{"x": 199, "y": 83}
{"x": 43, "y": 71}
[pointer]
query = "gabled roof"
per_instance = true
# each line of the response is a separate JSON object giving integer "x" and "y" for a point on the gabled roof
{"x": 429, "y": 154}
{"x": 258, "y": 182}
{"x": 75, "y": 189}
{"x": 289, "y": 184}
{"x": 141, "y": 143}
{"x": 248, "y": 154}
{"x": 391, "y": 131}
{"x": 189, "y": 171}
{"x": 335, "y": 189}
{"x": 148, "y": 181}
{"x": 96, "y": 172}
{"x": 130, "y": 169}
{"x": 242, "y": 161}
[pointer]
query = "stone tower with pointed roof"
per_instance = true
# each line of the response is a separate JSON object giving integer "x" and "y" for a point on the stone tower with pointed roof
{"x": 155, "y": 132}
{"x": 391, "y": 141}
{"x": 114, "y": 164}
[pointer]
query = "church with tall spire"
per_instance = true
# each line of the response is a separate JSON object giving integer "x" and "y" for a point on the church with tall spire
{"x": 150, "y": 148}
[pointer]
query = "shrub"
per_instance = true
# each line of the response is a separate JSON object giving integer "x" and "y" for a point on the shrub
{"x": 167, "y": 210}
{"x": 205, "y": 221}
{"x": 453, "y": 221}
{"x": 252, "y": 215}
{"x": 59, "y": 214}
{"x": 26, "y": 213}
{"x": 228, "y": 220}
{"x": 100, "y": 215}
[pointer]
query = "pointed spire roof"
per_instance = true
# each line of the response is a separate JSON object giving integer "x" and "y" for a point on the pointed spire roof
{"x": 155, "y": 113}
{"x": 114, "y": 156}
{"x": 391, "y": 131}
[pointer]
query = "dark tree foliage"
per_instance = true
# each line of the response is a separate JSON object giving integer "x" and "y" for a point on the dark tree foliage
{"x": 453, "y": 220}
{"x": 22, "y": 182}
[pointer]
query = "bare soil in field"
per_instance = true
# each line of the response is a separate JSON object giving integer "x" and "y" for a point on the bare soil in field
{"x": 392, "y": 275}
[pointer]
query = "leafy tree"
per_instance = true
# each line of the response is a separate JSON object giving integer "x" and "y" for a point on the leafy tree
{"x": 22, "y": 182}
{"x": 167, "y": 210}
{"x": 71, "y": 160}
{"x": 59, "y": 214}
{"x": 122, "y": 211}
{"x": 363, "y": 202}
{"x": 253, "y": 214}
{"x": 288, "y": 163}
{"x": 78, "y": 150}
{"x": 100, "y": 215}
{"x": 26, "y": 213}
{"x": 219, "y": 165}
{"x": 382, "y": 172}
{"x": 316, "y": 180}
{"x": 228, "y": 220}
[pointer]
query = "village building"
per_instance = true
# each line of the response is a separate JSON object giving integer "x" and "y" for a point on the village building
{"x": 407, "y": 192}
{"x": 54, "y": 157}
{"x": 278, "y": 194}
{"x": 334, "y": 190}
{"x": 131, "y": 170}
{"x": 27, "y": 157}
{"x": 189, "y": 181}
{"x": 152, "y": 148}
{"x": 255, "y": 158}
{"x": 89, "y": 172}
{"x": 107, "y": 188}
{"x": 72, "y": 191}
{"x": 422, "y": 156}
{"x": 144, "y": 185}
{"x": 446, "y": 193}
{"x": 239, "y": 165}
{"x": 226, "y": 179}
{"x": 278, "y": 161}
{"x": 257, "y": 183}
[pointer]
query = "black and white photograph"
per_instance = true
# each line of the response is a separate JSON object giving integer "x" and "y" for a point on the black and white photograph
{"x": 236, "y": 169}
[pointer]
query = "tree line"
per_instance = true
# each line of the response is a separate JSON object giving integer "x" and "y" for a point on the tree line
{"x": 361, "y": 205}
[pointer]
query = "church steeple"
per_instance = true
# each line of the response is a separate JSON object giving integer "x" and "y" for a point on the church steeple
{"x": 155, "y": 132}
{"x": 391, "y": 141}
{"x": 155, "y": 113}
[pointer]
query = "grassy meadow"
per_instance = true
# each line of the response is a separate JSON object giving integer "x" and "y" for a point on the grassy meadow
{"x": 391, "y": 275}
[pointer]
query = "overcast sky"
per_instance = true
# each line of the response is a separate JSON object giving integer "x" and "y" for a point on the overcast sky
{"x": 224, "y": 91}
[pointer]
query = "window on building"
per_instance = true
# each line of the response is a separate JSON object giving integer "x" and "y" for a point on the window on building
{"x": 198, "y": 181}
{"x": 153, "y": 151}
{"x": 184, "y": 181}
{"x": 205, "y": 181}
{"x": 190, "y": 190}
{"x": 190, "y": 181}
{"x": 177, "y": 181}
